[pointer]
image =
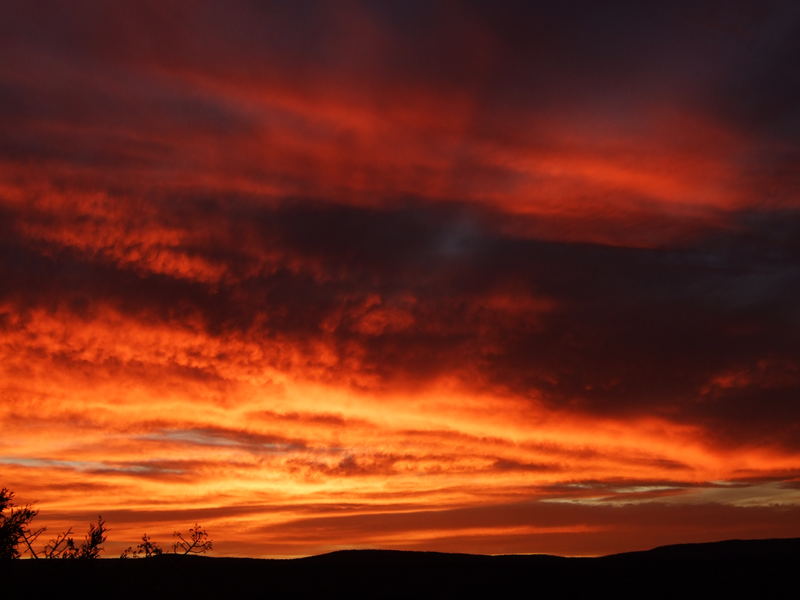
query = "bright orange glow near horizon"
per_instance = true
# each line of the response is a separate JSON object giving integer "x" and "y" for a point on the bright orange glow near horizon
{"x": 418, "y": 276}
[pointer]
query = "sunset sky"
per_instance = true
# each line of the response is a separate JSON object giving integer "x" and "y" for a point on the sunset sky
{"x": 471, "y": 276}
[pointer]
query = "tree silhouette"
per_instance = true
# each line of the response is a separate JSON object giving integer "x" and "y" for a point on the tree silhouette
{"x": 147, "y": 548}
{"x": 197, "y": 542}
{"x": 64, "y": 546}
{"x": 16, "y": 533}
{"x": 56, "y": 547}
{"x": 15, "y": 526}
{"x": 92, "y": 544}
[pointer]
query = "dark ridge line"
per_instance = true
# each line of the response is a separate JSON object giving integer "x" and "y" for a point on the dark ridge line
{"x": 767, "y": 548}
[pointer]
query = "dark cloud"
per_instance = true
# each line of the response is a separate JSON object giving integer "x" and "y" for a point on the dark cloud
{"x": 640, "y": 526}
{"x": 621, "y": 331}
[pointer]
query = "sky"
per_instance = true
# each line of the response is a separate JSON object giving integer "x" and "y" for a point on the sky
{"x": 487, "y": 277}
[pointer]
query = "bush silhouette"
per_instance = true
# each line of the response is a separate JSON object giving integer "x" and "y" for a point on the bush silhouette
{"x": 15, "y": 527}
{"x": 17, "y": 537}
{"x": 147, "y": 548}
{"x": 64, "y": 546}
{"x": 197, "y": 542}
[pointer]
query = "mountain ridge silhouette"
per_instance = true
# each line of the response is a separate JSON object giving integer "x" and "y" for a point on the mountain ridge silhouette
{"x": 763, "y": 568}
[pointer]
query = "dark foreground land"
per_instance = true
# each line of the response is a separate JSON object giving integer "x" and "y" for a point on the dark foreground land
{"x": 762, "y": 569}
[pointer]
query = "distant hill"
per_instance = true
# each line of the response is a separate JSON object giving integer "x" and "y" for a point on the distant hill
{"x": 770, "y": 549}
{"x": 766, "y": 549}
{"x": 403, "y": 557}
{"x": 758, "y": 568}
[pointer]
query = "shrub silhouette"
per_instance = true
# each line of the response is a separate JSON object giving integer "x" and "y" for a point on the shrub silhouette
{"x": 147, "y": 548}
{"x": 197, "y": 542}
{"x": 15, "y": 526}
{"x": 16, "y": 532}
{"x": 57, "y": 547}
{"x": 64, "y": 546}
{"x": 17, "y": 537}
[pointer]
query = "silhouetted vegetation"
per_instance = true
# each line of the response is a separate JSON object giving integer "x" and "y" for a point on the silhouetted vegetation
{"x": 57, "y": 547}
{"x": 18, "y": 537}
{"x": 64, "y": 546}
{"x": 147, "y": 548}
{"x": 197, "y": 542}
{"x": 15, "y": 526}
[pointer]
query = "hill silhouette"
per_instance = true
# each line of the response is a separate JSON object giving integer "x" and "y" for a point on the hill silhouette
{"x": 763, "y": 568}
{"x": 769, "y": 549}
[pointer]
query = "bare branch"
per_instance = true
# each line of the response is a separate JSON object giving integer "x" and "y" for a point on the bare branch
{"x": 14, "y": 525}
{"x": 54, "y": 548}
{"x": 198, "y": 542}
{"x": 30, "y": 537}
{"x": 147, "y": 548}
